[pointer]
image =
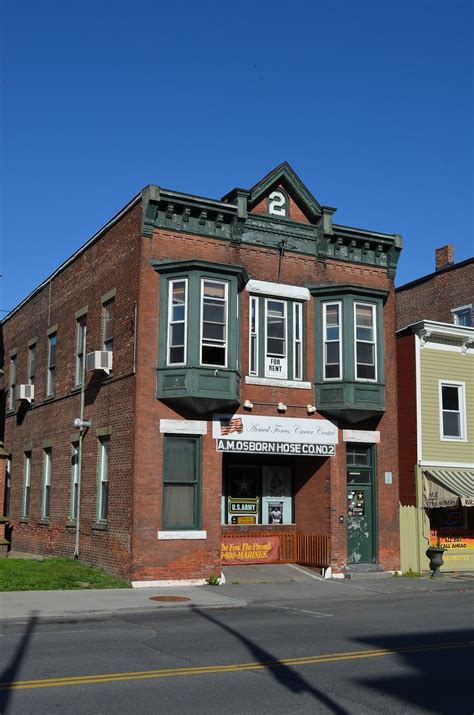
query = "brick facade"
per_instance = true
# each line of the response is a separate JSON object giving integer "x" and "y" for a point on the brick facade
{"x": 125, "y": 405}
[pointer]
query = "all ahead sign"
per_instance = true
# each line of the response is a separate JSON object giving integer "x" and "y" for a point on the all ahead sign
{"x": 274, "y": 435}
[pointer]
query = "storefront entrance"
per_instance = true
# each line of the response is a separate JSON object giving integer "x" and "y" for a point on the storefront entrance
{"x": 360, "y": 504}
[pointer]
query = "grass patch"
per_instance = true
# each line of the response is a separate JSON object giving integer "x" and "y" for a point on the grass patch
{"x": 53, "y": 574}
{"x": 411, "y": 574}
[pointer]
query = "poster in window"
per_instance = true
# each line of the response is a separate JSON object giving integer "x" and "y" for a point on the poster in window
{"x": 275, "y": 512}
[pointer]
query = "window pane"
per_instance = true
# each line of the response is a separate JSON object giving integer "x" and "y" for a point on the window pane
{"x": 177, "y": 334}
{"x": 450, "y": 397}
{"x": 214, "y": 290}
{"x": 212, "y": 355}
{"x": 276, "y": 347}
{"x": 365, "y": 353}
{"x": 275, "y": 327}
{"x": 451, "y": 424}
{"x": 180, "y": 465}
{"x": 332, "y": 333}
{"x": 276, "y": 308}
{"x": 332, "y": 315}
{"x": 332, "y": 352}
{"x": 214, "y": 312}
{"x": 52, "y": 349}
{"x": 213, "y": 331}
{"x": 104, "y": 500}
{"x": 366, "y": 372}
{"x": 364, "y": 316}
{"x": 179, "y": 505}
{"x": 332, "y": 371}
{"x": 177, "y": 355}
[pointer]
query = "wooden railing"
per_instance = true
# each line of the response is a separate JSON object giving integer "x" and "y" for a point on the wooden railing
{"x": 295, "y": 548}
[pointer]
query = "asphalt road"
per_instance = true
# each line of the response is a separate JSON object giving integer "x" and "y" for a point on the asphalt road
{"x": 404, "y": 652}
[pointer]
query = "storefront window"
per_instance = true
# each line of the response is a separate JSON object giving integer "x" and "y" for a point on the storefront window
{"x": 258, "y": 494}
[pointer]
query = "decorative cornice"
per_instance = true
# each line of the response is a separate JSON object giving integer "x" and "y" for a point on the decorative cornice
{"x": 337, "y": 289}
{"x": 165, "y": 267}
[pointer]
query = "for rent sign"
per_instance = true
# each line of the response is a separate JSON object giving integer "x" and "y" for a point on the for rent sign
{"x": 274, "y": 435}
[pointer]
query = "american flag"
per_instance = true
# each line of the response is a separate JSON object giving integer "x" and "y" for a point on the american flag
{"x": 233, "y": 425}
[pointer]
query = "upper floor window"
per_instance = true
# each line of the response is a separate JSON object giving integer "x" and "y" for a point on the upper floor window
{"x": 452, "y": 410}
{"x": 51, "y": 376}
{"x": 32, "y": 364}
{"x": 365, "y": 341}
{"x": 463, "y": 315}
{"x": 214, "y": 319}
{"x": 332, "y": 325}
{"x": 108, "y": 315}
{"x": 276, "y": 337}
{"x": 177, "y": 322}
{"x": 11, "y": 392}
{"x": 81, "y": 333}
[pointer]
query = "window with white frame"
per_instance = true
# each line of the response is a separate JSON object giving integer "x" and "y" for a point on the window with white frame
{"x": 81, "y": 334}
{"x": 181, "y": 482}
{"x": 51, "y": 376}
{"x": 74, "y": 480}
{"x": 32, "y": 364}
{"x": 108, "y": 317}
{"x": 276, "y": 338}
{"x": 214, "y": 320}
{"x": 365, "y": 341}
{"x": 463, "y": 315}
{"x": 46, "y": 500}
{"x": 332, "y": 327}
{"x": 452, "y": 410}
{"x": 103, "y": 496}
{"x": 25, "y": 507}
{"x": 11, "y": 392}
{"x": 177, "y": 322}
{"x": 7, "y": 492}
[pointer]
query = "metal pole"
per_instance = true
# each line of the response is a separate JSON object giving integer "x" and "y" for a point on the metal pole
{"x": 81, "y": 439}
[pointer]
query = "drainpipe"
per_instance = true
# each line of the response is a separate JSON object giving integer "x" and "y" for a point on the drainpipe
{"x": 83, "y": 426}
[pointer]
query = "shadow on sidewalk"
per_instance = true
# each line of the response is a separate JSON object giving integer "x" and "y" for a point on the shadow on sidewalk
{"x": 8, "y": 675}
{"x": 284, "y": 674}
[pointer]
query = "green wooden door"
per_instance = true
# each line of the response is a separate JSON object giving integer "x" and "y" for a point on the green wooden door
{"x": 360, "y": 505}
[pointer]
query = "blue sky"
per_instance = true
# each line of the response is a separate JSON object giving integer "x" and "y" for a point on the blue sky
{"x": 371, "y": 102}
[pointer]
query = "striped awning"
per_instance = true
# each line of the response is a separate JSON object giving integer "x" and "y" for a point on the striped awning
{"x": 448, "y": 487}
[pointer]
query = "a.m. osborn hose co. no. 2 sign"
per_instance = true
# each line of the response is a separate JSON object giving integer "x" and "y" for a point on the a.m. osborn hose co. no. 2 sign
{"x": 274, "y": 435}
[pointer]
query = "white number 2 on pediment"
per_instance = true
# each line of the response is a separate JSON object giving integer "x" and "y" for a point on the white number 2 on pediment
{"x": 277, "y": 204}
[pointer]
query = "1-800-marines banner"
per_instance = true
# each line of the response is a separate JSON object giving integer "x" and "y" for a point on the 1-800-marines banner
{"x": 274, "y": 435}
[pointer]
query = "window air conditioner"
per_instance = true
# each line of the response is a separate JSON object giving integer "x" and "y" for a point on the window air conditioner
{"x": 100, "y": 360}
{"x": 25, "y": 392}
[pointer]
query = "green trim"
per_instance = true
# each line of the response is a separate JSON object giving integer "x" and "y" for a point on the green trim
{"x": 285, "y": 175}
{"x": 335, "y": 290}
{"x": 165, "y": 267}
{"x": 110, "y": 295}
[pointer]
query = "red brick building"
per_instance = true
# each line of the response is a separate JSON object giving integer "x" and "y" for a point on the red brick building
{"x": 239, "y": 382}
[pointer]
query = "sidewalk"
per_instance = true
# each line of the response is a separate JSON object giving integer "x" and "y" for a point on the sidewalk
{"x": 243, "y": 587}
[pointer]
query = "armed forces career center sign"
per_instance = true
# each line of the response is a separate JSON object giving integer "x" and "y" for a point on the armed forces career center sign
{"x": 274, "y": 435}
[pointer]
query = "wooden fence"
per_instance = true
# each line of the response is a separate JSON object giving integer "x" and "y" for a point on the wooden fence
{"x": 295, "y": 548}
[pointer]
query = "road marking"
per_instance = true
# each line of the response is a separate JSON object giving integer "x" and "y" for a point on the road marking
{"x": 233, "y": 668}
{"x": 302, "y": 610}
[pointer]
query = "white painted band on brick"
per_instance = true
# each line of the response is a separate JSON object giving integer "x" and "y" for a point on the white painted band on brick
{"x": 272, "y": 382}
{"x": 183, "y": 426}
{"x": 176, "y": 535}
{"x": 281, "y": 290}
{"x": 169, "y": 583}
{"x": 361, "y": 435}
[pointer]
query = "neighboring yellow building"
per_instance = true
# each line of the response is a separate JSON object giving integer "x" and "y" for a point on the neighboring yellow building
{"x": 436, "y": 434}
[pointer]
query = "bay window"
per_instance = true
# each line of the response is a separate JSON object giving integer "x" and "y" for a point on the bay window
{"x": 332, "y": 341}
{"x": 177, "y": 322}
{"x": 214, "y": 323}
{"x": 365, "y": 341}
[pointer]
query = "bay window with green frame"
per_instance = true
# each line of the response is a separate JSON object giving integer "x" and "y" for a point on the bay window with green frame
{"x": 349, "y": 350}
{"x": 198, "y": 353}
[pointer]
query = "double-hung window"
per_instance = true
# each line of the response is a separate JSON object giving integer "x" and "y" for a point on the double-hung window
{"x": 11, "y": 392}
{"x": 7, "y": 492}
{"x": 25, "y": 507}
{"x": 51, "y": 375}
{"x": 103, "y": 495}
{"x": 452, "y": 410}
{"x": 276, "y": 332}
{"x": 181, "y": 481}
{"x": 81, "y": 333}
{"x": 177, "y": 323}
{"x": 32, "y": 364}
{"x": 365, "y": 341}
{"x": 108, "y": 317}
{"x": 332, "y": 329}
{"x": 463, "y": 315}
{"x": 214, "y": 320}
{"x": 46, "y": 501}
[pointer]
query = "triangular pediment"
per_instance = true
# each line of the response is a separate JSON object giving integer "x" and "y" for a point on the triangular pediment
{"x": 281, "y": 194}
